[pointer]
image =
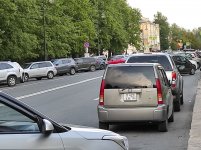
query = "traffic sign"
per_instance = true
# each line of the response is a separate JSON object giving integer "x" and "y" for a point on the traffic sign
{"x": 86, "y": 44}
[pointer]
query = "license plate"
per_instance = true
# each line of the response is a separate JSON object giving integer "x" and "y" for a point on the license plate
{"x": 129, "y": 97}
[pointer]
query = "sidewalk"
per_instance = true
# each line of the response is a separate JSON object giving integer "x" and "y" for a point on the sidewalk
{"x": 194, "y": 142}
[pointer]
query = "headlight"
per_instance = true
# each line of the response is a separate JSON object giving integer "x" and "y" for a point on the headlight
{"x": 121, "y": 140}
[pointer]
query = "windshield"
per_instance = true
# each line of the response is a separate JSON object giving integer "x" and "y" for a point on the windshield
{"x": 26, "y": 65}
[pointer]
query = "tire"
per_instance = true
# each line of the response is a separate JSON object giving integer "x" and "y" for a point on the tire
{"x": 50, "y": 75}
{"x": 72, "y": 71}
{"x": 192, "y": 72}
{"x": 163, "y": 126}
{"x": 103, "y": 125}
{"x": 11, "y": 81}
{"x": 26, "y": 77}
{"x": 102, "y": 67}
{"x": 92, "y": 68}
{"x": 39, "y": 78}
{"x": 177, "y": 104}
{"x": 171, "y": 119}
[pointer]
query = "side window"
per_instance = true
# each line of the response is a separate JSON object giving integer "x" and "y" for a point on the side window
{"x": 34, "y": 66}
{"x": 4, "y": 66}
{"x": 65, "y": 61}
{"x": 79, "y": 60}
{"x": 12, "y": 121}
{"x": 161, "y": 76}
{"x": 42, "y": 65}
{"x": 165, "y": 77}
{"x": 48, "y": 64}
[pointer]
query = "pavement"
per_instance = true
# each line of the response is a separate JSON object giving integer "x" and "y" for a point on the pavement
{"x": 194, "y": 142}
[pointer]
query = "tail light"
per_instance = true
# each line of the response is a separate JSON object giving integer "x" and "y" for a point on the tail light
{"x": 101, "y": 96}
{"x": 174, "y": 77}
{"x": 159, "y": 92}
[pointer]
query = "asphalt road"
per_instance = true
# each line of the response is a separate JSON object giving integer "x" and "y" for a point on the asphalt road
{"x": 73, "y": 100}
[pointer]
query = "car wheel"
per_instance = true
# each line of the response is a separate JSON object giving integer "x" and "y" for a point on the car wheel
{"x": 26, "y": 77}
{"x": 177, "y": 104}
{"x": 11, "y": 81}
{"x": 72, "y": 71}
{"x": 192, "y": 72}
{"x": 92, "y": 68}
{"x": 171, "y": 119}
{"x": 102, "y": 67}
{"x": 163, "y": 126}
{"x": 103, "y": 125}
{"x": 50, "y": 75}
{"x": 39, "y": 78}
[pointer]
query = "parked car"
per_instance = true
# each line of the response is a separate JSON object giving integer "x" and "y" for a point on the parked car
{"x": 65, "y": 65}
{"x": 11, "y": 73}
{"x": 39, "y": 70}
{"x": 101, "y": 64}
{"x": 171, "y": 71}
{"x": 117, "y": 59}
{"x": 86, "y": 63}
{"x": 102, "y": 57}
{"x": 24, "y": 128}
{"x": 195, "y": 57}
{"x": 135, "y": 93}
{"x": 189, "y": 57}
{"x": 184, "y": 65}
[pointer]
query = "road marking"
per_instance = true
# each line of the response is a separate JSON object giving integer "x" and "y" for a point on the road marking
{"x": 96, "y": 99}
{"x": 57, "y": 88}
{"x": 38, "y": 82}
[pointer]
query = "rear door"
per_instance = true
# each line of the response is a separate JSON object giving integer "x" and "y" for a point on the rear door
{"x": 130, "y": 86}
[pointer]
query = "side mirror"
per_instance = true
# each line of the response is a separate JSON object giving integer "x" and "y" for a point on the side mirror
{"x": 180, "y": 68}
{"x": 47, "y": 127}
{"x": 56, "y": 64}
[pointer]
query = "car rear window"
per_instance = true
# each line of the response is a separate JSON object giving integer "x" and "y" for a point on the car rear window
{"x": 163, "y": 60}
{"x": 126, "y": 77}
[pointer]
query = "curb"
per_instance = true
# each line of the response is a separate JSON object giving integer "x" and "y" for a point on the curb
{"x": 194, "y": 142}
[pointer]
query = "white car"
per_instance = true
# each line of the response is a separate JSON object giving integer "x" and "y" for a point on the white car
{"x": 39, "y": 70}
{"x": 23, "y": 128}
{"x": 11, "y": 73}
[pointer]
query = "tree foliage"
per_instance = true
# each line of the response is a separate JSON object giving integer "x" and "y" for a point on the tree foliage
{"x": 65, "y": 26}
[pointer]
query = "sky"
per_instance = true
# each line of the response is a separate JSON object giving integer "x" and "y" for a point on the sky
{"x": 185, "y": 13}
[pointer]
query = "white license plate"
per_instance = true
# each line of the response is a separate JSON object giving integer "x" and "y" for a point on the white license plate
{"x": 129, "y": 97}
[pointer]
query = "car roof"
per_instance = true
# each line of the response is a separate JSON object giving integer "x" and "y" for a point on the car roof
{"x": 134, "y": 64}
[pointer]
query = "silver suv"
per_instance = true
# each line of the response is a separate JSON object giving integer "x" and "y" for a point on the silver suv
{"x": 135, "y": 93}
{"x": 11, "y": 73}
{"x": 171, "y": 71}
{"x": 39, "y": 70}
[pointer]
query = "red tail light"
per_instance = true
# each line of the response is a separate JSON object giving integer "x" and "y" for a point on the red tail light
{"x": 174, "y": 77}
{"x": 159, "y": 92}
{"x": 101, "y": 96}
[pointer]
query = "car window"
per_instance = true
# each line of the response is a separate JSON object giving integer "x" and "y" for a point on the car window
{"x": 79, "y": 60}
{"x": 27, "y": 65}
{"x": 13, "y": 121}
{"x": 34, "y": 66}
{"x": 42, "y": 65}
{"x": 163, "y": 60}
{"x": 130, "y": 77}
{"x": 65, "y": 61}
{"x": 4, "y": 66}
{"x": 48, "y": 64}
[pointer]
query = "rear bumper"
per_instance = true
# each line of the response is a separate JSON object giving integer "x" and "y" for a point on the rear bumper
{"x": 143, "y": 114}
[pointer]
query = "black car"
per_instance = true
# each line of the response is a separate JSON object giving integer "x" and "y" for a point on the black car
{"x": 86, "y": 63}
{"x": 184, "y": 65}
{"x": 65, "y": 65}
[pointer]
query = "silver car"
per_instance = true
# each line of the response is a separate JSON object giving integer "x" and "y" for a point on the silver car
{"x": 171, "y": 71}
{"x": 39, "y": 70}
{"x": 23, "y": 128}
{"x": 135, "y": 93}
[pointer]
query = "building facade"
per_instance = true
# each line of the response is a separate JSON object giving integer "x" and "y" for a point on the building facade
{"x": 150, "y": 36}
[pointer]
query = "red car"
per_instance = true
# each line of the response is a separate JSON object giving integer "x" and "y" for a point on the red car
{"x": 117, "y": 59}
